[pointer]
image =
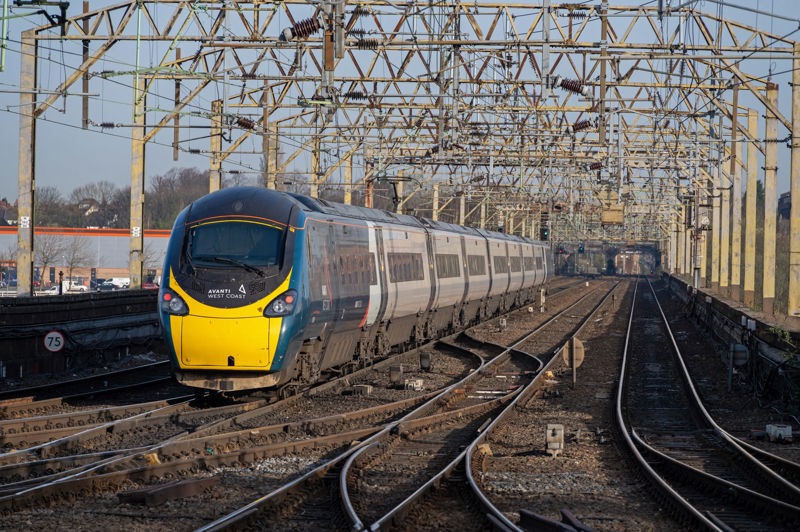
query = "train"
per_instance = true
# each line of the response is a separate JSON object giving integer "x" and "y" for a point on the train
{"x": 272, "y": 290}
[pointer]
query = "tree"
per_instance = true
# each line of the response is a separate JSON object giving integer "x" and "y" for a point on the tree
{"x": 101, "y": 192}
{"x": 7, "y": 212}
{"x": 96, "y": 203}
{"x": 76, "y": 254}
{"x": 151, "y": 259}
{"x": 48, "y": 249}
{"x": 120, "y": 205}
{"x": 236, "y": 179}
{"x": 49, "y": 207}
{"x": 170, "y": 193}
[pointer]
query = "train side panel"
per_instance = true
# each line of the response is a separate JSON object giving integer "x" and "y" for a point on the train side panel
{"x": 516, "y": 274}
{"x": 479, "y": 278}
{"x": 408, "y": 281}
{"x": 352, "y": 269}
{"x": 449, "y": 280}
{"x": 498, "y": 264}
{"x": 529, "y": 267}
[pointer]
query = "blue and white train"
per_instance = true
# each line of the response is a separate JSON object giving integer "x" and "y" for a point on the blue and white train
{"x": 267, "y": 289}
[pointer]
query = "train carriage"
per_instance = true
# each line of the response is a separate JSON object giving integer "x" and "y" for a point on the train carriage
{"x": 265, "y": 289}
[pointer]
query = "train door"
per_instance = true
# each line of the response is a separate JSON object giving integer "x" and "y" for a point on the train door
{"x": 352, "y": 283}
{"x": 464, "y": 269}
{"x": 377, "y": 297}
{"x": 320, "y": 278}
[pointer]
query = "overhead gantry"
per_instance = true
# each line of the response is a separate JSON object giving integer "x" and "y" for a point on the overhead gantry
{"x": 616, "y": 123}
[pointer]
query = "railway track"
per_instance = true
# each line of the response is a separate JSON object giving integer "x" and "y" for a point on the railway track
{"x": 709, "y": 478}
{"x": 223, "y": 435}
{"x": 403, "y": 461}
{"x": 515, "y": 433}
{"x": 127, "y": 386}
{"x": 288, "y": 438}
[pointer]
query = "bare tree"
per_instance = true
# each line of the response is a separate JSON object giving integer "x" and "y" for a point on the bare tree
{"x": 102, "y": 192}
{"x": 152, "y": 259}
{"x": 48, "y": 249}
{"x": 76, "y": 254}
{"x": 170, "y": 193}
{"x": 236, "y": 179}
{"x": 96, "y": 204}
{"x": 49, "y": 207}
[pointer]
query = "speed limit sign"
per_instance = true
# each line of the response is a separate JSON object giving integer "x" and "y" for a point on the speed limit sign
{"x": 54, "y": 341}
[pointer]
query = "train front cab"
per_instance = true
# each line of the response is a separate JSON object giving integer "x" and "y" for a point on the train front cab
{"x": 228, "y": 322}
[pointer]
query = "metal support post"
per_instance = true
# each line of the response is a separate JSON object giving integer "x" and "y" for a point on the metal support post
{"x": 136, "y": 264}
{"x": 793, "y": 307}
{"x": 770, "y": 201}
{"x": 215, "y": 145}
{"x": 26, "y": 163}
{"x": 750, "y": 213}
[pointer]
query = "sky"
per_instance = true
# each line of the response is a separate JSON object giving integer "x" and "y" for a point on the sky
{"x": 68, "y": 157}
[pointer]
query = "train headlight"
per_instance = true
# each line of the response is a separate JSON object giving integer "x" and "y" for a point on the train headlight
{"x": 171, "y": 303}
{"x": 283, "y": 305}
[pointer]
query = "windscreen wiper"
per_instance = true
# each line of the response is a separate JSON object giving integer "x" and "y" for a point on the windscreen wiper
{"x": 239, "y": 263}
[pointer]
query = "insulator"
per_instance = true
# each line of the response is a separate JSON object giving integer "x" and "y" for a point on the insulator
{"x": 576, "y": 13}
{"x": 301, "y": 30}
{"x": 360, "y": 11}
{"x": 432, "y": 150}
{"x": 595, "y": 166}
{"x": 356, "y": 32}
{"x": 244, "y": 122}
{"x": 195, "y": 151}
{"x": 108, "y": 125}
{"x": 367, "y": 44}
{"x": 574, "y": 85}
{"x": 355, "y": 95}
{"x": 581, "y": 125}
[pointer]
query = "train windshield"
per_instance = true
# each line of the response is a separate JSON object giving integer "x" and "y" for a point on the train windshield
{"x": 249, "y": 245}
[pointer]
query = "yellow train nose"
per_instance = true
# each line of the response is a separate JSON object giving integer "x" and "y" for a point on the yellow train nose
{"x": 235, "y": 343}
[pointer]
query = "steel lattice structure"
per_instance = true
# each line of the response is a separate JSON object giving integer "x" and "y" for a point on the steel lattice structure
{"x": 605, "y": 122}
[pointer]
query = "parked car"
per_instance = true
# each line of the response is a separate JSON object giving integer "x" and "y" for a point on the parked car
{"x": 53, "y": 290}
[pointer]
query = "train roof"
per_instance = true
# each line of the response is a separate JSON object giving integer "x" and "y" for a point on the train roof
{"x": 242, "y": 201}
{"x": 353, "y": 211}
{"x": 256, "y": 200}
{"x": 378, "y": 215}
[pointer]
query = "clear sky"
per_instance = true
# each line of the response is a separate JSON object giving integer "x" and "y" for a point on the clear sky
{"x": 68, "y": 157}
